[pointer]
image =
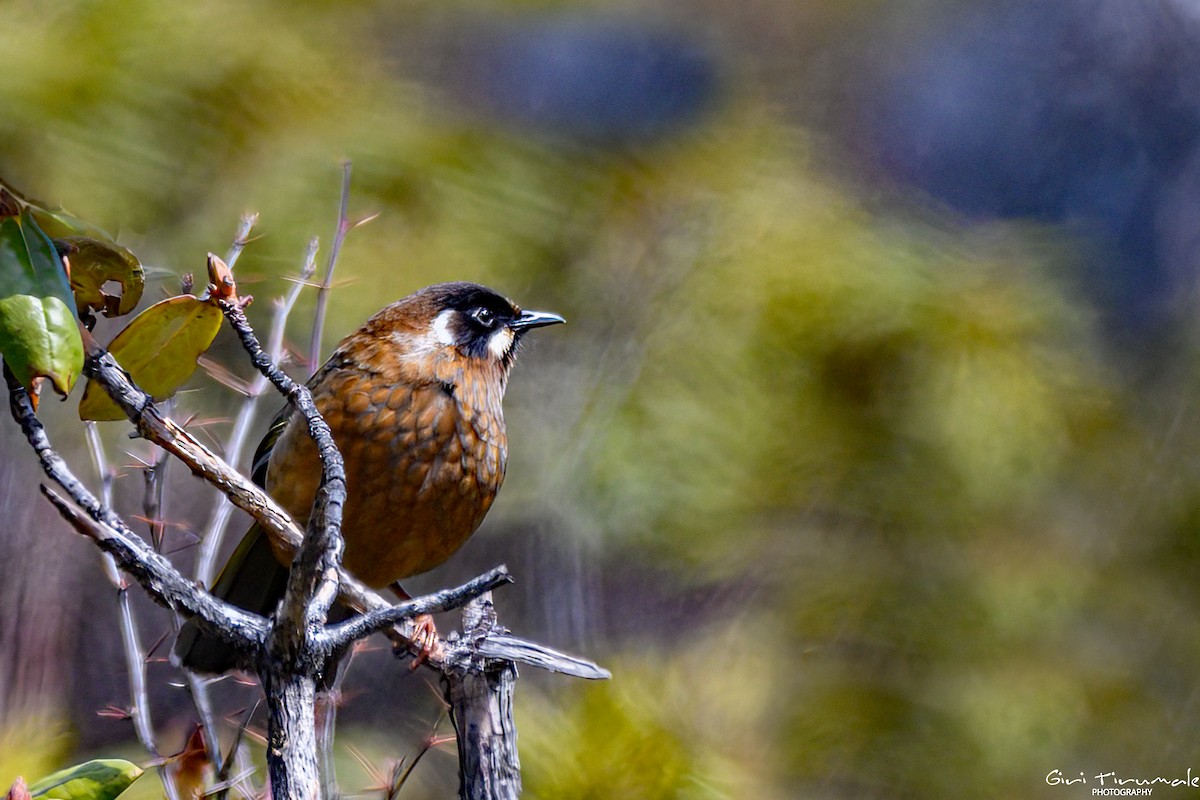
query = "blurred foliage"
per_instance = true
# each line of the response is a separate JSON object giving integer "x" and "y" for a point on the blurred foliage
{"x": 850, "y": 494}
{"x": 31, "y": 746}
{"x": 644, "y": 735}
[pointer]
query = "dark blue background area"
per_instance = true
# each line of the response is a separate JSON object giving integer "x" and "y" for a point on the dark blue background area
{"x": 1077, "y": 112}
{"x": 596, "y": 80}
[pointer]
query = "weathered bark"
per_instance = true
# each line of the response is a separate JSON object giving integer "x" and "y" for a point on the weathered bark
{"x": 480, "y": 693}
{"x": 291, "y": 735}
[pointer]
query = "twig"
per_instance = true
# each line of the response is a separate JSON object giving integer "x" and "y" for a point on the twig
{"x": 289, "y": 675}
{"x": 135, "y": 661}
{"x": 151, "y": 424}
{"x": 511, "y": 648}
{"x": 327, "y": 708}
{"x": 210, "y": 543}
{"x": 154, "y": 499}
{"x": 202, "y": 702}
{"x": 339, "y": 236}
{"x": 240, "y": 630}
{"x": 340, "y": 636}
{"x": 241, "y": 238}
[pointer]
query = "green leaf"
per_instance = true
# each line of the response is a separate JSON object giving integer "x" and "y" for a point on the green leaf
{"x": 39, "y": 337}
{"x": 102, "y": 779}
{"x": 158, "y": 349}
{"x": 95, "y": 263}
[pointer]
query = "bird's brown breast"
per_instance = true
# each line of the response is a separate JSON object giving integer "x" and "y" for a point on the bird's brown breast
{"x": 425, "y": 449}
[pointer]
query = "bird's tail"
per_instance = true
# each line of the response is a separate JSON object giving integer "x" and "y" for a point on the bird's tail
{"x": 254, "y": 580}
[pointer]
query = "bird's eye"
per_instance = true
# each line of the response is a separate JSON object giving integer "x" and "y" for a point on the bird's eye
{"x": 484, "y": 317}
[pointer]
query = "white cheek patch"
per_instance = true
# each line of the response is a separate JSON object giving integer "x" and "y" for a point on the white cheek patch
{"x": 441, "y": 327}
{"x": 501, "y": 342}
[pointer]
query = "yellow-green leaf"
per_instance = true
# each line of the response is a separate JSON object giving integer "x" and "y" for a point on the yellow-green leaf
{"x": 158, "y": 349}
{"x": 95, "y": 257}
{"x": 39, "y": 337}
{"x": 55, "y": 222}
{"x": 102, "y": 779}
{"x": 95, "y": 263}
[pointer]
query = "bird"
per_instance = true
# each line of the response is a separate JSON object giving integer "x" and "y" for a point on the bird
{"x": 414, "y": 401}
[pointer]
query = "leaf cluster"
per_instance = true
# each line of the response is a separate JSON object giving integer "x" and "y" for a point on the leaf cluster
{"x": 56, "y": 273}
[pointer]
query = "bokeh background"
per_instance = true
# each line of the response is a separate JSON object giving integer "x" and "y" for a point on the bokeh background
{"x": 868, "y": 460}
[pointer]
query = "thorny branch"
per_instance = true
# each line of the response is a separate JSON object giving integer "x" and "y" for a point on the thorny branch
{"x": 313, "y": 582}
{"x": 339, "y": 637}
{"x": 161, "y": 580}
{"x": 135, "y": 659}
{"x": 214, "y": 534}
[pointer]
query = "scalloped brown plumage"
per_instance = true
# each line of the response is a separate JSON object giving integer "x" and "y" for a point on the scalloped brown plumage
{"x": 413, "y": 399}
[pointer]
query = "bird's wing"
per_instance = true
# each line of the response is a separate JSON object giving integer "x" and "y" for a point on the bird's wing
{"x": 258, "y": 469}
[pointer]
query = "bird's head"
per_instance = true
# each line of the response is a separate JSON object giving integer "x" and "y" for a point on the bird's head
{"x": 460, "y": 320}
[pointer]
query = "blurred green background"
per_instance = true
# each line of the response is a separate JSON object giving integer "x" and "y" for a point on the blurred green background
{"x": 867, "y": 461}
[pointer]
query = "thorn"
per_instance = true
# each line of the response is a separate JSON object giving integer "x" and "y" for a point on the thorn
{"x": 115, "y": 712}
{"x": 373, "y": 772}
{"x": 158, "y": 642}
{"x": 365, "y": 220}
{"x": 141, "y": 462}
{"x": 183, "y": 547}
{"x": 224, "y": 376}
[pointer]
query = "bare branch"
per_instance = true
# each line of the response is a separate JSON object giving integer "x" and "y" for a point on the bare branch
{"x": 289, "y": 675}
{"x": 241, "y": 238}
{"x": 151, "y": 424}
{"x": 339, "y": 236}
{"x": 240, "y": 629}
{"x": 135, "y": 661}
{"x": 340, "y": 636}
{"x": 511, "y": 648}
{"x": 211, "y": 541}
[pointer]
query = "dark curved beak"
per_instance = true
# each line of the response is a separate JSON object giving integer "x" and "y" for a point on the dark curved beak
{"x": 534, "y": 319}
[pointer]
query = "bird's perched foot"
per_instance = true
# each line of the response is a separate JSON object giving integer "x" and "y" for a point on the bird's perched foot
{"x": 424, "y": 635}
